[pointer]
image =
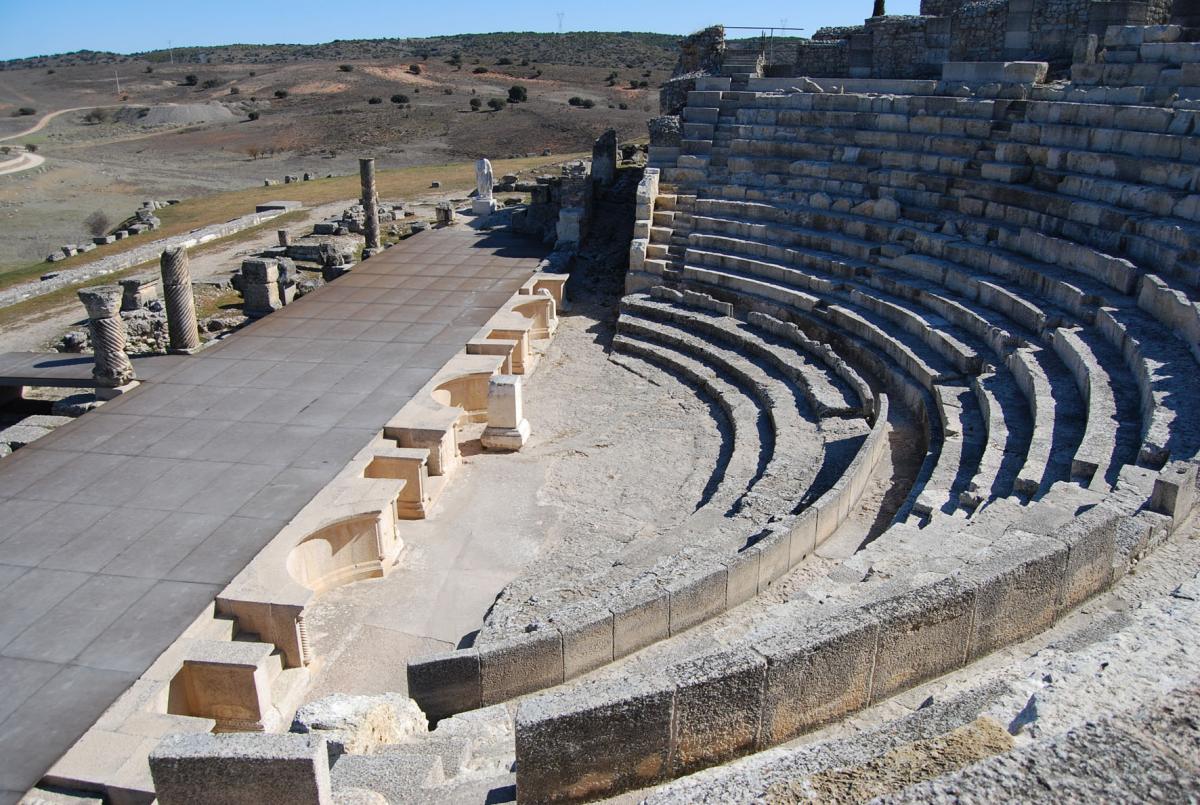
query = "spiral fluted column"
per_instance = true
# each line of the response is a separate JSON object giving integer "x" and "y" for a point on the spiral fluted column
{"x": 182, "y": 332}
{"x": 113, "y": 368}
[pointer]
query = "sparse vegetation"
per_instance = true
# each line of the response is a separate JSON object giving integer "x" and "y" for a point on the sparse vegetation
{"x": 97, "y": 116}
{"x": 588, "y": 103}
{"x": 400, "y": 98}
{"x": 281, "y": 93}
{"x": 31, "y": 147}
{"x": 374, "y": 99}
{"x": 346, "y": 68}
{"x": 476, "y": 104}
{"x": 235, "y": 91}
{"x": 415, "y": 69}
{"x": 496, "y": 104}
{"x": 26, "y": 111}
{"x": 575, "y": 100}
{"x": 98, "y": 223}
{"x": 191, "y": 80}
{"x": 254, "y": 115}
{"x": 517, "y": 94}
{"x": 504, "y": 62}
{"x": 479, "y": 70}
{"x": 447, "y": 91}
{"x": 211, "y": 83}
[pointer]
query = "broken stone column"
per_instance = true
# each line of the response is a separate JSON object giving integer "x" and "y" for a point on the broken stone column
{"x": 182, "y": 332}
{"x": 370, "y": 202}
{"x": 113, "y": 371}
{"x": 285, "y": 239}
{"x": 507, "y": 427}
{"x": 483, "y": 203}
{"x": 138, "y": 291}
{"x": 604, "y": 158}
{"x": 260, "y": 287}
{"x": 444, "y": 213}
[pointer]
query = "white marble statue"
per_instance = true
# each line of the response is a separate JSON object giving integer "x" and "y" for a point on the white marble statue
{"x": 483, "y": 179}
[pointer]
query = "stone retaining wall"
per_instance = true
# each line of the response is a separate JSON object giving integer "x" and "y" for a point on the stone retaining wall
{"x": 132, "y": 257}
{"x": 607, "y": 737}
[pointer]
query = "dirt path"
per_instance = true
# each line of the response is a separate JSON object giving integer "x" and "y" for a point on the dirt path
{"x": 21, "y": 163}
{"x": 41, "y": 124}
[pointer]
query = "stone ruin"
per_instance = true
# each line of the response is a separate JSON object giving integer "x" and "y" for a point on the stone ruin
{"x": 948, "y": 328}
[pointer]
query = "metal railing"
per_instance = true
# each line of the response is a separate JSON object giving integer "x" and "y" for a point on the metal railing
{"x": 767, "y": 43}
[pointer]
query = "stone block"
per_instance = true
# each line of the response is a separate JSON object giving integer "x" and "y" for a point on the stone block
{"x": 923, "y": 633}
{"x": 594, "y": 740}
{"x": 237, "y": 768}
{"x": 587, "y": 637}
{"x": 741, "y": 576}
{"x": 1017, "y": 586}
{"x": 521, "y": 665}
{"x": 1174, "y": 490}
{"x": 1091, "y": 543}
{"x": 718, "y": 707}
{"x": 816, "y": 673}
{"x": 1008, "y": 72}
{"x": 507, "y": 427}
{"x": 445, "y": 684}
{"x": 698, "y": 598}
{"x": 641, "y": 616}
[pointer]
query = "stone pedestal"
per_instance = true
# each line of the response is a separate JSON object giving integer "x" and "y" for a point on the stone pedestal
{"x": 604, "y": 158}
{"x": 444, "y": 213}
{"x": 370, "y": 203}
{"x": 182, "y": 332}
{"x": 285, "y": 239}
{"x": 103, "y": 303}
{"x": 507, "y": 428}
{"x": 483, "y": 206}
{"x": 260, "y": 287}
{"x": 137, "y": 291}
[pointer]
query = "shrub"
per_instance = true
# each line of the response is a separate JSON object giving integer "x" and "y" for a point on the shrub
{"x": 479, "y": 70}
{"x": 622, "y": 106}
{"x": 97, "y": 223}
{"x": 517, "y": 94}
{"x": 96, "y": 116}
{"x": 611, "y": 79}
{"x": 475, "y": 104}
{"x": 588, "y": 103}
{"x": 26, "y": 111}
{"x": 504, "y": 61}
{"x": 191, "y": 80}
{"x": 50, "y": 72}
{"x": 455, "y": 61}
{"x": 643, "y": 84}
{"x": 575, "y": 101}
{"x": 281, "y": 93}
{"x": 210, "y": 83}
{"x": 149, "y": 69}
{"x": 496, "y": 104}
{"x": 399, "y": 99}
{"x": 447, "y": 91}
{"x": 31, "y": 148}
{"x": 415, "y": 69}
{"x": 254, "y": 115}
{"x": 374, "y": 99}
{"x": 235, "y": 91}
{"x": 633, "y": 84}
{"x": 253, "y": 73}
{"x": 346, "y": 68}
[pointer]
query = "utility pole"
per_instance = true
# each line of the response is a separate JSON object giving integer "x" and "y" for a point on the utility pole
{"x": 560, "y": 19}
{"x": 118, "y": 78}
{"x": 171, "y": 51}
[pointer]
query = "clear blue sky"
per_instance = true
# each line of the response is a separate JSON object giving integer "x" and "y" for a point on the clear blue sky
{"x": 59, "y": 26}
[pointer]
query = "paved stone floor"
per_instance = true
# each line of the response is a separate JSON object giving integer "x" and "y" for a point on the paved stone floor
{"x": 118, "y": 529}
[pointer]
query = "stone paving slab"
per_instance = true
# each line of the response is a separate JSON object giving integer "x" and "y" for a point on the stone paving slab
{"x": 117, "y": 529}
{"x": 71, "y": 371}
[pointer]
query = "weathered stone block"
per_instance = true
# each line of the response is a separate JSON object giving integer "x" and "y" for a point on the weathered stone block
{"x": 696, "y": 599}
{"x": 521, "y": 665}
{"x": 816, "y": 673}
{"x": 922, "y": 634}
{"x": 446, "y": 684}
{"x": 236, "y": 768}
{"x": 587, "y": 637}
{"x": 718, "y": 706}
{"x": 641, "y": 616}
{"x": 593, "y": 740}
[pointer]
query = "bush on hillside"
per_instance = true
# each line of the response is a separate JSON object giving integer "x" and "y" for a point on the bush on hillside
{"x": 346, "y": 68}
{"x": 399, "y": 98}
{"x": 479, "y": 70}
{"x": 26, "y": 111}
{"x": 476, "y": 104}
{"x": 517, "y": 94}
{"x": 374, "y": 99}
{"x": 575, "y": 101}
{"x": 496, "y": 104}
{"x": 97, "y": 223}
{"x": 254, "y": 115}
{"x": 588, "y": 103}
{"x": 211, "y": 83}
{"x": 415, "y": 69}
{"x": 281, "y": 93}
{"x": 191, "y": 80}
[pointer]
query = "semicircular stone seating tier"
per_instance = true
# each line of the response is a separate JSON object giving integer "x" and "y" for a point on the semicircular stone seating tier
{"x": 1017, "y": 277}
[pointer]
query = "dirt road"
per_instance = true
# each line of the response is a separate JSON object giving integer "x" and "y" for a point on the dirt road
{"x": 21, "y": 163}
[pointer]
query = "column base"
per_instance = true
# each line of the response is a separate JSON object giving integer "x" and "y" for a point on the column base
{"x": 189, "y": 351}
{"x": 506, "y": 439}
{"x": 106, "y": 393}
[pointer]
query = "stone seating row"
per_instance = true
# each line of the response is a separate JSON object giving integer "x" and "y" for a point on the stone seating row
{"x": 1064, "y": 286}
{"x": 736, "y": 559}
